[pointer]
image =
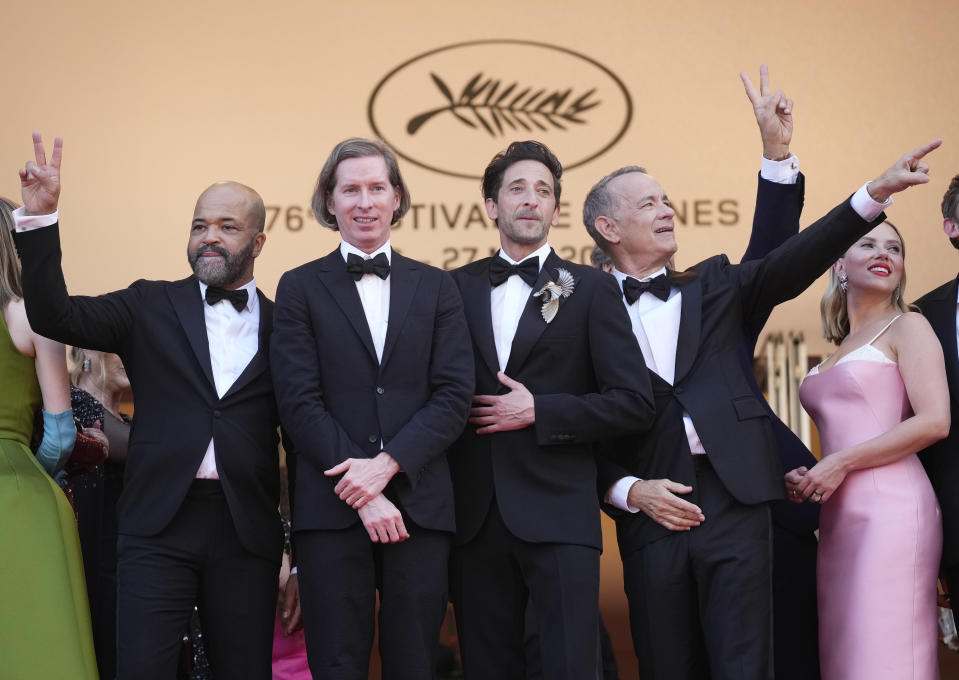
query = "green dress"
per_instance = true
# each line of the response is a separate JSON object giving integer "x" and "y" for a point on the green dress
{"x": 44, "y": 616}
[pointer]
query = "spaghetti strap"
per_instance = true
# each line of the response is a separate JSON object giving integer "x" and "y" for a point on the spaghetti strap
{"x": 884, "y": 329}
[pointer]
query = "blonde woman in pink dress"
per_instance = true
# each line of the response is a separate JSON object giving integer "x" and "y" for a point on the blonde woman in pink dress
{"x": 880, "y": 398}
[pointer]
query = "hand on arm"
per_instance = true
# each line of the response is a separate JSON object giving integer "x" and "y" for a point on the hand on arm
{"x": 39, "y": 181}
{"x": 773, "y": 115}
{"x": 500, "y": 413}
{"x": 383, "y": 521}
{"x": 363, "y": 478}
{"x": 657, "y": 498}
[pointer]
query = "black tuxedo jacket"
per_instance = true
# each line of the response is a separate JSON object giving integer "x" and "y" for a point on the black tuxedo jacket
{"x": 776, "y": 218}
{"x": 732, "y": 422}
{"x": 942, "y": 458}
{"x": 159, "y": 331}
{"x": 588, "y": 380}
{"x": 337, "y": 402}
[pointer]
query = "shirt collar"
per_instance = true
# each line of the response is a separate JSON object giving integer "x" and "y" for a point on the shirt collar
{"x": 620, "y": 276}
{"x": 542, "y": 253}
{"x": 347, "y": 249}
{"x": 252, "y": 301}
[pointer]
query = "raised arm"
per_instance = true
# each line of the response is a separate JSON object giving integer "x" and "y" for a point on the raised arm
{"x": 791, "y": 268}
{"x": 96, "y": 322}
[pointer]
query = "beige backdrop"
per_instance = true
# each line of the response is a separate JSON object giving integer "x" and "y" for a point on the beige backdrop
{"x": 157, "y": 100}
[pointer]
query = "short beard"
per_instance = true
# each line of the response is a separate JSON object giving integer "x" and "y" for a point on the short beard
{"x": 224, "y": 272}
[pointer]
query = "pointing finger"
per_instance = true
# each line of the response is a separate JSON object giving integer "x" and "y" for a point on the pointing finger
{"x": 923, "y": 150}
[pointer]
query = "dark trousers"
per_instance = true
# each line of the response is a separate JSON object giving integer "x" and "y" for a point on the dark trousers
{"x": 951, "y": 575}
{"x": 495, "y": 574}
{"x": 795, "y": 611}
{"x": 340, "y": 572}
{"x": 196, "y": 560}
{"x": 699, "y": 600}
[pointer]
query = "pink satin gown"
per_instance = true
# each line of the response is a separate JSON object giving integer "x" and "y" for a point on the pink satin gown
{"x": 880, "y": 532}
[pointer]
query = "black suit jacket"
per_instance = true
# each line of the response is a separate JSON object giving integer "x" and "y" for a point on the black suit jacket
{"x": 337, "y": 402}
{"x": 159, "y": 331}
{"x": 588, "y": 380}
{"x": 776, "y": 218}
{"x": 732, "y": 422}
{"x": 942, "y": 458}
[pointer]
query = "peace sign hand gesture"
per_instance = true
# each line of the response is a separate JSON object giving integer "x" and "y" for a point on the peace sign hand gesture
{"x": 40, "y": 182}
{"x": 773, "y": 114}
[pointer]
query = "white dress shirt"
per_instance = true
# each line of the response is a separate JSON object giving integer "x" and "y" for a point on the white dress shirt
{"x": 232, "y": 336}
{"x": 374, "y": 295}
{"x": 507, "y": 302}
{"x": 656, "y": 322}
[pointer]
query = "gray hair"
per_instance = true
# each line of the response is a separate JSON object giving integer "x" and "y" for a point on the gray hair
{"x": 600, "y": 203}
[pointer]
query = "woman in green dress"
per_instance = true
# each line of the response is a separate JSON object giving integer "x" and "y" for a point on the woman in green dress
{"x": 44, "y": 617}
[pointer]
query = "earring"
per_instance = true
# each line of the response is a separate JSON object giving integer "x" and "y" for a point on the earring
{"x": 85, "y": 366}
{"x": 843, "y": 282}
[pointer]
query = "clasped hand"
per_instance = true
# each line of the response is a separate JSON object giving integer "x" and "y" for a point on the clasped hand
{"x": 816, "y": 484}
{"x": 363, "y": 478}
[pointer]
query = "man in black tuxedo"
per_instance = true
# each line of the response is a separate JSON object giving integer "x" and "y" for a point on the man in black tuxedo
{"x": 695, "y": 537}
{"x": 556, "y": 369}
{"x": 942, "y": 458}
{"x": 198, "y": 520}
{"x": 374, "y": 373}
{"x": 779, "y": 204}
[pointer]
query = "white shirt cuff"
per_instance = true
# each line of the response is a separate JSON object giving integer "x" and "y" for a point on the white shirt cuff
{"x": 867, "y": 207}
{"x": 618, "y": 494}
{"x": 24, "y": 222}
{"x": 781, "y": 172}
{"x": 292, "y": 571}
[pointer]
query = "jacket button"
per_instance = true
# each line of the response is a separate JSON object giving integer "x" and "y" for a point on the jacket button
{"x": 216, "y": 414}
{"x": 379, "y": 390}
{"x": 373, "y": 438}
{"x": 678, "y": 390}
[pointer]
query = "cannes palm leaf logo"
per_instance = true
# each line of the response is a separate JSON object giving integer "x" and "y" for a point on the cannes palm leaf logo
{"x": 487, "y": 104}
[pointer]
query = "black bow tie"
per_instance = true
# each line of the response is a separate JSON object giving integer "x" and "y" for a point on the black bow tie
{"x": 658, "y": 286}
{"x": 500, "y": 270}
{"x": 236, "y": 297}
{"x": 357, "y": 266}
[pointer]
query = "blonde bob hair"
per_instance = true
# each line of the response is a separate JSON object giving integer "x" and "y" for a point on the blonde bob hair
{"x": 835, "y": 316}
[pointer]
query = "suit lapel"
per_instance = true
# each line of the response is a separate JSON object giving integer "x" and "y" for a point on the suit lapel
{"x": 479, "y": 316}
{"x": 531, "y": 324}
{"x": 342, "y": 288}
{"x": 261, "y": 359}
{"x": 690, "y": 324}
{"x": 404, "y": 280}
{"x": 185, "y": 296}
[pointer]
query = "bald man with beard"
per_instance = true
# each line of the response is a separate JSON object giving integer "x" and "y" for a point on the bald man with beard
{"x": 198, "y": 521}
